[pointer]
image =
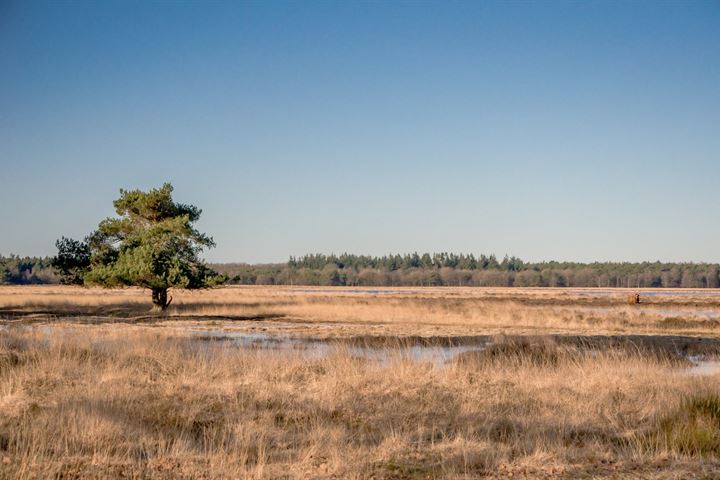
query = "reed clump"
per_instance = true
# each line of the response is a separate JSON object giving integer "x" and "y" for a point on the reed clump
{"x": 534, "y": 351}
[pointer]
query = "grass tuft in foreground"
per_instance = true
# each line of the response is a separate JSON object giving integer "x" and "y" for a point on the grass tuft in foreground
{"x": 694, "y": 427}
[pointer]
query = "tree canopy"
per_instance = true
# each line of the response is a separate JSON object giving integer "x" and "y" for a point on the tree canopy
{"x": 153, "y": 244}
{"x": 72, "y": 261}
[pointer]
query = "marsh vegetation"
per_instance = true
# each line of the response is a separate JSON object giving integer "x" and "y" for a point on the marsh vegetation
{"x": 549, "y": 384}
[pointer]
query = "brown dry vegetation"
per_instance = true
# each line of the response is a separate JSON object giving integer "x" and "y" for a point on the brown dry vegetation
{"x": 91, "y": 387}
{"x": 402, "y": 311}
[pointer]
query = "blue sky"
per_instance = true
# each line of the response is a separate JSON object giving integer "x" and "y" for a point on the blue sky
{"x": 547, "y": 130}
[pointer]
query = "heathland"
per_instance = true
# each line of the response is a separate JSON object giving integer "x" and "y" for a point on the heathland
{"x": 308, "y": 382}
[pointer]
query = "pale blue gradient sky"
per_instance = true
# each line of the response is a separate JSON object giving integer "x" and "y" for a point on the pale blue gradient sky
{"x": 547, "y": 130}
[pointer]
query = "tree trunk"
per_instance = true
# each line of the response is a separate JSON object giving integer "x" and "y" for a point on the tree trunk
{"x": 160, "y": 299}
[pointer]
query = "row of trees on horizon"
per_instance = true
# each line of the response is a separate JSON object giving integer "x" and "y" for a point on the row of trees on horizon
{"x": 17, "y": 270}
{"x": 439, "y": 269}
{"x": 450, "y": 269}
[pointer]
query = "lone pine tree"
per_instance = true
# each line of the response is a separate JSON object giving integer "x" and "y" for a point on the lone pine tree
{"x": 152, "y": 245}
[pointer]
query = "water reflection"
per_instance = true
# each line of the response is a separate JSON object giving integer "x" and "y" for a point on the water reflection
{"x": 442, "y": 351}
{"x": 398, "y": 349}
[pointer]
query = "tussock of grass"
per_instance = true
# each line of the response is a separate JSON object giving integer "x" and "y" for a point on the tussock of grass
{"x": 693, "y": 429}
{"x": 545, "y": 351}
{"x": 539, "y": 351}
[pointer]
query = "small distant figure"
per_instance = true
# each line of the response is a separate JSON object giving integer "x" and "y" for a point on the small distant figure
{"x": 634, "y": 299}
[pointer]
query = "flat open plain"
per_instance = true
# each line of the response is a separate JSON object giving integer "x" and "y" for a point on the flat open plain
{"x": 320, "y": 382}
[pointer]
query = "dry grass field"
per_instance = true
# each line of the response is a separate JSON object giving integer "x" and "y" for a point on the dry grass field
{"x": 550, "y": 384}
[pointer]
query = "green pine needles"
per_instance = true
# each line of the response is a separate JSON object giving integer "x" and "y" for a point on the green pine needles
{"x": 153, "y": 244}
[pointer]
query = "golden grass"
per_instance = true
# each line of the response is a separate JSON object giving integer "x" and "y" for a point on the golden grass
{"x": 424, "y": 311}
{"x": 133, "y": 401}
{"x": 93, "y": 387}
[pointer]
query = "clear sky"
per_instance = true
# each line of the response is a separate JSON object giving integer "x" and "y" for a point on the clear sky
{"x": 547, "y": 130}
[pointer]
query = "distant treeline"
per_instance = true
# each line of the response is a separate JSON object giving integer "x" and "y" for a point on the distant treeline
{"x": 26, "y": 270}
{"x": 448, "y": 269}
{"x": 440, "y": 269}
